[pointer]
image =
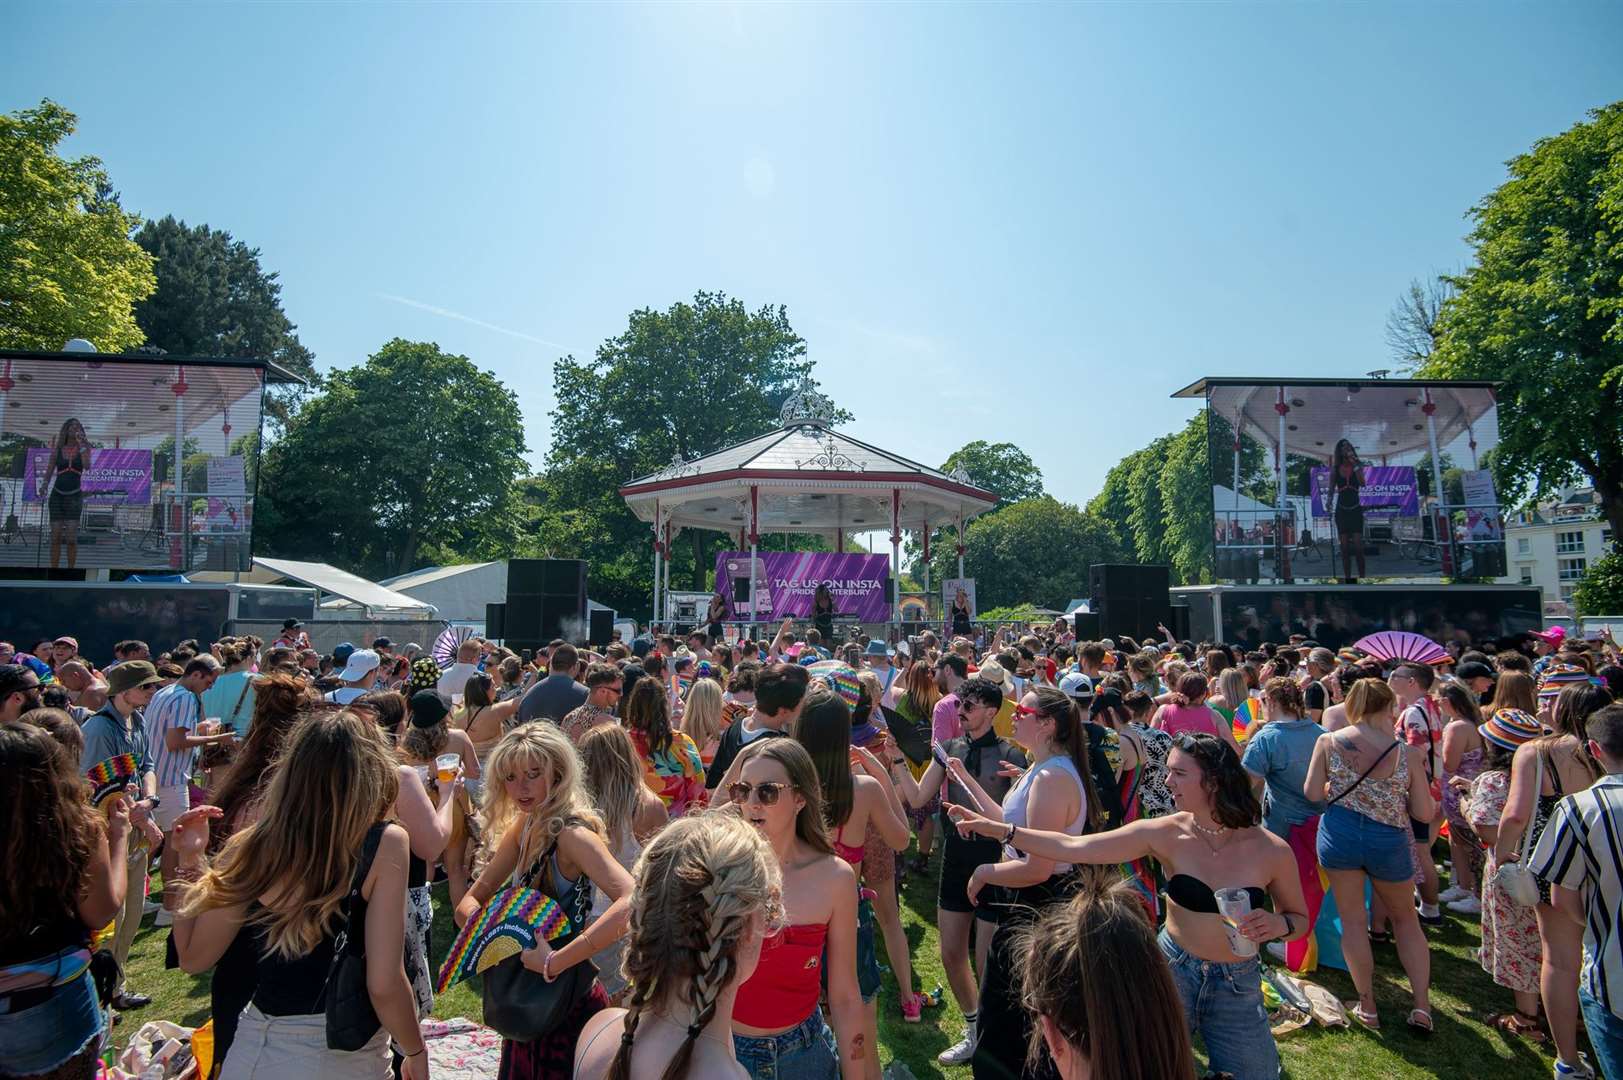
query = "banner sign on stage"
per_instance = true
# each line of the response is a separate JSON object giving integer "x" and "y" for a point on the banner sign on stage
{"x": 1390, "y": 488}
{"x": 227, "y": 476}
{"x": 114, "y": 477}
{"x": 1482, "y": 520}
{"x": 787, "y": 581}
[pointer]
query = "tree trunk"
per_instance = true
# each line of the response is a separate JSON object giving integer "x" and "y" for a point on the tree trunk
{"x": 1610, "y": 490}
{"x": 407, "y": 554}
{"x": 698, "y": 559}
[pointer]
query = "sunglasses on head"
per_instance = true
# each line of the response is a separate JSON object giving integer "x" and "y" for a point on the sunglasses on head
{"x": 767, "y": 793}
{"x": 1021, "y": 710}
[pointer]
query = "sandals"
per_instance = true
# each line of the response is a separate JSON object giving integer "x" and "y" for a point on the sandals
{"x": 1368, "y": 1019}
{"x": 1380, "y": 937}
{"x": 1520, "y": 1025}
{"x": 1420, "y": 1023}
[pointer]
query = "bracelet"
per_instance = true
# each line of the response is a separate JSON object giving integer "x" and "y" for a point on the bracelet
{"x": 1290, "y": 927}
{"x": 1009, "y": 839}
{"x": 424, "y": 1050}
{"x": 894, "y": 762}
{"x": 546, "y": 967}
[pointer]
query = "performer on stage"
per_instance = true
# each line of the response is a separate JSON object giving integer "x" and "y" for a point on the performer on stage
{"x": 1347, "y": 477}
{"x": 70, "y": 457}
{"x": 823, "y": 613}
{"x": 715, "y": 616}
{"x": 960, "y": 614}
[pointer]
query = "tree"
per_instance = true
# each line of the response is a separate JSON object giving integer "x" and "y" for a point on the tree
{"x": 1186, "y": 496}
{"x": 1541, "y": 312}
{"x": 689, "y": 380}
{"x": 67, "y": 265}
{"x": 1038, "y": 551}
{"x": 1412, "y": 330}
{"x": 214, "y": 299}
{"x": 408, "y": 452}
{"x": 1600, "y": 591}
{"x": 1001, "y": 468}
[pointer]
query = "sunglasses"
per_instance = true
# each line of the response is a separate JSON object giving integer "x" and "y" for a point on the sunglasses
{"x": 767, "y": 793}
{"x": 1021, "y": 710}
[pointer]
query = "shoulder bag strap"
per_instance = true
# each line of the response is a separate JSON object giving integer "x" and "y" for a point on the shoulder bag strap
{"x": 1364, "y": 775}
{"x": 1538, "y": 790}
{"x": 341, "y": 944}
{"x": 246, "y": 684}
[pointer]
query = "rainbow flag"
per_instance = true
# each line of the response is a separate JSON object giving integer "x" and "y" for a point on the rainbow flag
{"x": 514, "y": 920}
{"x": 110, "y": 777}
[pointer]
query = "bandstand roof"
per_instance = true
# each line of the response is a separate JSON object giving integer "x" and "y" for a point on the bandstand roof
{"x": 807, "y": 478}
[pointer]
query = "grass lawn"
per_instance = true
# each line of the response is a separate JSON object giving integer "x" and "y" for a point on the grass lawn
{"x": 1463, "y": 1047}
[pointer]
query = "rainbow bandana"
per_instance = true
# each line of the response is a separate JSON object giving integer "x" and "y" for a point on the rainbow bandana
{"x": 514, "y": 920}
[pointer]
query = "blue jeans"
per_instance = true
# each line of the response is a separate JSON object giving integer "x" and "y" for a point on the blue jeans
{"x": 1605, "y": 1035}
{"x": 1223, "y": 1002}
{"x": 47, "y": 1035}
{"x": 804, "y": 1052}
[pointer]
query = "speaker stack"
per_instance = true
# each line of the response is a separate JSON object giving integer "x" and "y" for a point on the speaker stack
{"x": 546, "y": 600}
{"x": 1130, "y": 599}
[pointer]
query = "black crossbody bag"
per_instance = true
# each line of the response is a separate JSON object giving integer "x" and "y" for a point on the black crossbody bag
{"x": 351, "y": 1019}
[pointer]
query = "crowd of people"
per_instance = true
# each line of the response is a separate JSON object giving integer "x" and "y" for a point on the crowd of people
{"x": 727, "y": 825}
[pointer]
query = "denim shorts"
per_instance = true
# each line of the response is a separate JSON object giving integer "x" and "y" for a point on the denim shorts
{"x": 45, "y": 1036}
{"x": 1223, "y": 1003}
{"x": 1350, "y": 841}
{"x": 804, "y": 1052}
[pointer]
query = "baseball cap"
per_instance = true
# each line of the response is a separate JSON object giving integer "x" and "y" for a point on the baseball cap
{"x": 1474, "y": 669}
{"x": 131, "y": 675}
{"x": 362, "y": 662}
{"x": 292, "y": 624}
{"x": 1076, "y": 684}
{"x": 1555, "y": 635}
{"x": 66, "y": 640}
{"x": 382, "y": 643}
{"x": 342, "y": 652}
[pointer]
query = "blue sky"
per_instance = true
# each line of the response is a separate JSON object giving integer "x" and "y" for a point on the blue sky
{"x": 1022, "y": 223}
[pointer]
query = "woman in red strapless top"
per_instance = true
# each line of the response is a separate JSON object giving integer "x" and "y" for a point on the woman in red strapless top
{"x": 778, "y": 1028}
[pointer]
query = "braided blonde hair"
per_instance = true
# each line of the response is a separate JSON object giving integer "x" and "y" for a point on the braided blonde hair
{"x": 702, "y": 886}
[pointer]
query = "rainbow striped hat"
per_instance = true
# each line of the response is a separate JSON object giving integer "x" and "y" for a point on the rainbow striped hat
{"x": 1510, "y": 728}
{"x": 1557, "y": 677}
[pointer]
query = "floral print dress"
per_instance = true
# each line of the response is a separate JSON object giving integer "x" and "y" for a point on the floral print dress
{"x": 675, "y": 774}
{"x": 1510, "y": 945}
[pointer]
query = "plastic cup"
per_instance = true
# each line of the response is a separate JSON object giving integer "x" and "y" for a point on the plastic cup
{"x": 446, "y": 765}
{"x": 1234, "y": 905}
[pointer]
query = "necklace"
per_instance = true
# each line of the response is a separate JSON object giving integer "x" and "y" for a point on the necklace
{"x": 728, "y": 1042}
{"x": 1213, "y": 833}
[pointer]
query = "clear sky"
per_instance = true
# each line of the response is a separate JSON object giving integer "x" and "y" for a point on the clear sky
{"x": 1022, "y": 223}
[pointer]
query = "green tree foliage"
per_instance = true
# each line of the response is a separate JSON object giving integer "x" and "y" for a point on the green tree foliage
{"x": 67, "y": 265}
{"x": 410, "y": 452}
{"x": 1001, "y": 468}
{"x": 1600, "y": 591}
{"x": 1035, "y": 551}
{"x": 689, "y": 380}
{"x": 1185, "y": 497}
{"x": 214, "y": 299}
{"x": 1541, "y": 311}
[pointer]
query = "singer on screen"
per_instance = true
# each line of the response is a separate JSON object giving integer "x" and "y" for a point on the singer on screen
{"x": 1347, "y": 476}
{"x": 64, "y": 477}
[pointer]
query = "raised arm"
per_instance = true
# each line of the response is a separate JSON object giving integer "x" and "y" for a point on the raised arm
{"x": 1133, "y": 841}
{"x": 983, "y": 802}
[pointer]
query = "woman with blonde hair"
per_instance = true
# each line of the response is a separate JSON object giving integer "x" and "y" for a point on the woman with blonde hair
{"x": 552, "y": 840}
{"x": 320, "y": 864}
{"x": 708, "y": 891}
{"x": 631, "y": 815}
{"x": 701, "y": 717}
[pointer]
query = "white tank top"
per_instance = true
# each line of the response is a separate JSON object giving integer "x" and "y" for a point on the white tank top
{"x": 1014, "y": 803}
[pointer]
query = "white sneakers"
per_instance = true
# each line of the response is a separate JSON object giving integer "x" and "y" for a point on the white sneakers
{"x": 960, "y": 1052}
{"x": 1469, "y": 906}
{"x": 1452, "y": 893}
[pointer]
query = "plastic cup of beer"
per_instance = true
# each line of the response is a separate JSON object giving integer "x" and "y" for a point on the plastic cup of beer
{"x": 1234, "y": 905}
{"x": 211, "y": 726}
{"x": 445, "y": 766}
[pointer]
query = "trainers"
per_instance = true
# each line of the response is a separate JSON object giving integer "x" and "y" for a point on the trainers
{"x": 165, "y": 918}
{"x": 151, "y": 907}
{"x": 913, "y": 1009}
{"x": 1580, "y": 1071}
{"x": 1469, "y": 906}
{"x": 1452, "y": 893}
{"x": 960, "y": 1052}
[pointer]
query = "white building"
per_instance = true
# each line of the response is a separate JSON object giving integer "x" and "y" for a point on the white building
{"x": 1551, "y": 545}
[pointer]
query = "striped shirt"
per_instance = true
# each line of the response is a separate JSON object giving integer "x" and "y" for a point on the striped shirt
{"x": 173, "y": 708}
{"x": 1582, "y": 849}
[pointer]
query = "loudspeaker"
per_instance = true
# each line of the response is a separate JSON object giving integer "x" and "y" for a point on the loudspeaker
{"x": 546, "y": 599}
{"x": 1087, "y": 625}
{"x": 496, "y": 621}
{"x": 601, "y": 621}
{"x": 1180, "y": 622}
{"x": 1130, "y": 599}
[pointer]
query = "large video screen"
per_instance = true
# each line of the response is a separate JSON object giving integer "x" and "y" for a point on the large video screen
{"x": 90, "y": 476}
{"x": 1352, "y": 481}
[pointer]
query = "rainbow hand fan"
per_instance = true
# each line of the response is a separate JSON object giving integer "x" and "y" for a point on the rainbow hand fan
{"x": 1247, "y": 712}
{"x": 110, "y": 777}
{"x": 514, "y": 920}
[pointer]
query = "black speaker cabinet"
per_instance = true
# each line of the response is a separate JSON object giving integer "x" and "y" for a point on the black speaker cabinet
{"x": 1087, "y": 625}
{"x": 1130, "y": 599}
{"x": 601, "y": 622}
{"x": 496, "y": 621}
{"x": 546, "y": 600}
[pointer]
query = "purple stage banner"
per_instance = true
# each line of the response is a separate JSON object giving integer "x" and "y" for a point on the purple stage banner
{"x": 1387, "y": 488}
{"x": 115, "y": 477}
{"x": 786, "y": 582}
